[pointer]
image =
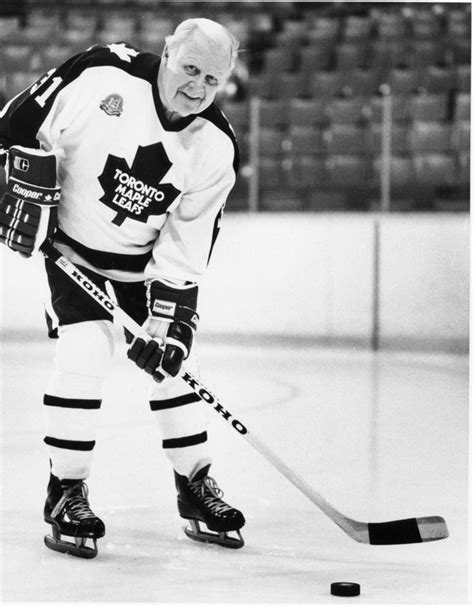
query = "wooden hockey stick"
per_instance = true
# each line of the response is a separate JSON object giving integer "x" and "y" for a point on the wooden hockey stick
{"x": 405, "y": 531}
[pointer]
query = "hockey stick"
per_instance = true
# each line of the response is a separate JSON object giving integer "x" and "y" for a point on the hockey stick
{"x": 405, "y": 531}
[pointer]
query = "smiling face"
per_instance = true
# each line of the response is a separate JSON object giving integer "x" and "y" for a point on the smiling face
{"x": 190, "y": 75}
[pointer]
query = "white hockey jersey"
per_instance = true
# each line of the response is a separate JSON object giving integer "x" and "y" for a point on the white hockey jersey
{"x": 141, "y": 197}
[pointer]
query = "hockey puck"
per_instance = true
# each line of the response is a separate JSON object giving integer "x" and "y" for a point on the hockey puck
{"x": 345, "y": 589}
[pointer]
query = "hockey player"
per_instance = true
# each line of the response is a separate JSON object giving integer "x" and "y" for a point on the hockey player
{"x": 145, "y": 162}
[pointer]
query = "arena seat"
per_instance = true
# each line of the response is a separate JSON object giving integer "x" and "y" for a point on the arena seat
{"x": 461, "y": 136}
{"x": 273, "y": 113}
{"x": 435, "y": 169}
{"x": 270, "y": 173}
{"x": 438, "y": 79}
{"x": 404, "y": 81}
{"x": 399, "y": 138}
{"x": 325, "y": 84}
{"x": 356, "y": 27}
{"x": 402, "y": 173}
{"x": 461, "y": 50}
{"x": 303, "y": 140}
{"x": 18, "y": 57}
{"x": 271, "y": 142}
{"x": 313, "y": 58}
{"x": 277, "y": 60}
{"x": 307, "y": 112}
{"x": 463, "y": 168}
{"x": 345, "y": 139}
{"x": 348, "y": 110}
{"x": 350, "y": 55}
{"x": 386, "y": 54}
{"x": 462, "y": 110}
{"x": 54, "y": 55}
{"x": 287, "y": 85}
{"x": 389, "y": 25}
{"x": 362, "y": 82}
{"x": 430, "y": 137}
{"x": 19, "y": 81}
{"x": 423, "y": 53}
{"x": 400, "y": 108}
{"x": 429, "y": 107}
{"x": 345, "y": 170}
{"x": 305, "y": 172}
{"x": 463, "y": 78}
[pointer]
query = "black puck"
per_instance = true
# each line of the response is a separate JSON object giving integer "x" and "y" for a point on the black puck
{"x": 345, "y": 589}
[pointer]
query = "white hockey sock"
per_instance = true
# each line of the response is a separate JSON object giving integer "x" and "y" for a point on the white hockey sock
{"x": 74, "y": 394}
{"x": 182, "y": 419}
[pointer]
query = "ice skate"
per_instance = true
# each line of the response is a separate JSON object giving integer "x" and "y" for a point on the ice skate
{"x": 199, "y": 501}
{"x": 67, "y": 510}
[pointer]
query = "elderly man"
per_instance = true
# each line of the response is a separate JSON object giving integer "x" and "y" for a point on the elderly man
{"x": 145, "y": 162}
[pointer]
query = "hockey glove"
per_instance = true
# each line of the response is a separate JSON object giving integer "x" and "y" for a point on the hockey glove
{"x": 172, "y": 321}
{"x": 28, "y": 208}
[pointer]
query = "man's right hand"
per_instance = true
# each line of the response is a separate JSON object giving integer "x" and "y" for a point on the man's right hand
{"x": 28, "y": 208}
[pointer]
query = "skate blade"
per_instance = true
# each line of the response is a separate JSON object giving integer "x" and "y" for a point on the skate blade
{"x": 209, "y": 537}
{"x": 79, "y": 548}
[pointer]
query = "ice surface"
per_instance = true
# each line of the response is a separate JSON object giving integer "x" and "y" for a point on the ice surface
{"x": 381, "y": 437}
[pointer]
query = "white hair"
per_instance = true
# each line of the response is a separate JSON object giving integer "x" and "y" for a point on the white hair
{"x": 211, "y": 29}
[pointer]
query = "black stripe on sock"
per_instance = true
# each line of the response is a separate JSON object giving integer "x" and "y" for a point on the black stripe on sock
{"x": 185, "y": 441}
{"x": 73, "y": 445}
{"x": 71, "y": 403}
{"x": 170, "y": 403}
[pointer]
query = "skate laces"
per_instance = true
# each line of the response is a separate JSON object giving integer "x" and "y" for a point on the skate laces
{"x": 75, "y": 499}
{"x": 212, "y": 494}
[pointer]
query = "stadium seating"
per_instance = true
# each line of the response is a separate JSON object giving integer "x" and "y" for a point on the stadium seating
{"x": 305, "y": 173}
{"x": 346, "y": 139}
{"x": 307, "y": 112}
{"x": 320, "y": 71}
{"x": 429, "y": 107}
{"x": 347, "y": 170}
{"x": 434, "y": 169}
{"x": 402, "y": 175}
{"x": 304, "y": 141}
{"x": 399, "y": 134}
{"x": 313, "y": 58}
{"x": 348, "y": 110}
{"x": 461, "y": 136}
{"x": 463, "y": 79}
{"x": 325, "y": 84}
{"x": 438, "y": 79}
{"x": 430, "y": 137}
{"x": 462, "y": 107}
{"x": 273, "y": 113}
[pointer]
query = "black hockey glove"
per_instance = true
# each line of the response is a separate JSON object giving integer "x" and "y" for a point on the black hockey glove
{"x": 28, "y": 208}
{"x": 173, "y": 320}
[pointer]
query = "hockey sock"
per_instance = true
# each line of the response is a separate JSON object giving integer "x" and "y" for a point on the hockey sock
{"x": 74, "y": 395}
{"x": 182, "y": 420}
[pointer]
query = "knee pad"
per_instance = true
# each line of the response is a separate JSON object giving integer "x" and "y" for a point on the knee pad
{"x": 83, "y": 355}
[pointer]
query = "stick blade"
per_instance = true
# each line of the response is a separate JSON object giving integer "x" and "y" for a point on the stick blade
{"x": 408, "y": 531}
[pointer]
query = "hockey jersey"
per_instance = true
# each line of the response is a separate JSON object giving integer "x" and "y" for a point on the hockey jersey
{"x": 142, "y": 197}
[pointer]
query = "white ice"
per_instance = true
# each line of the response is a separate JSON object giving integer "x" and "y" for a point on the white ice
{"x": 381, "y": 436}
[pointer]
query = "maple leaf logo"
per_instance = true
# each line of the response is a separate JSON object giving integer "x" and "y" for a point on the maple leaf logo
{"x": 136, "y": 192}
